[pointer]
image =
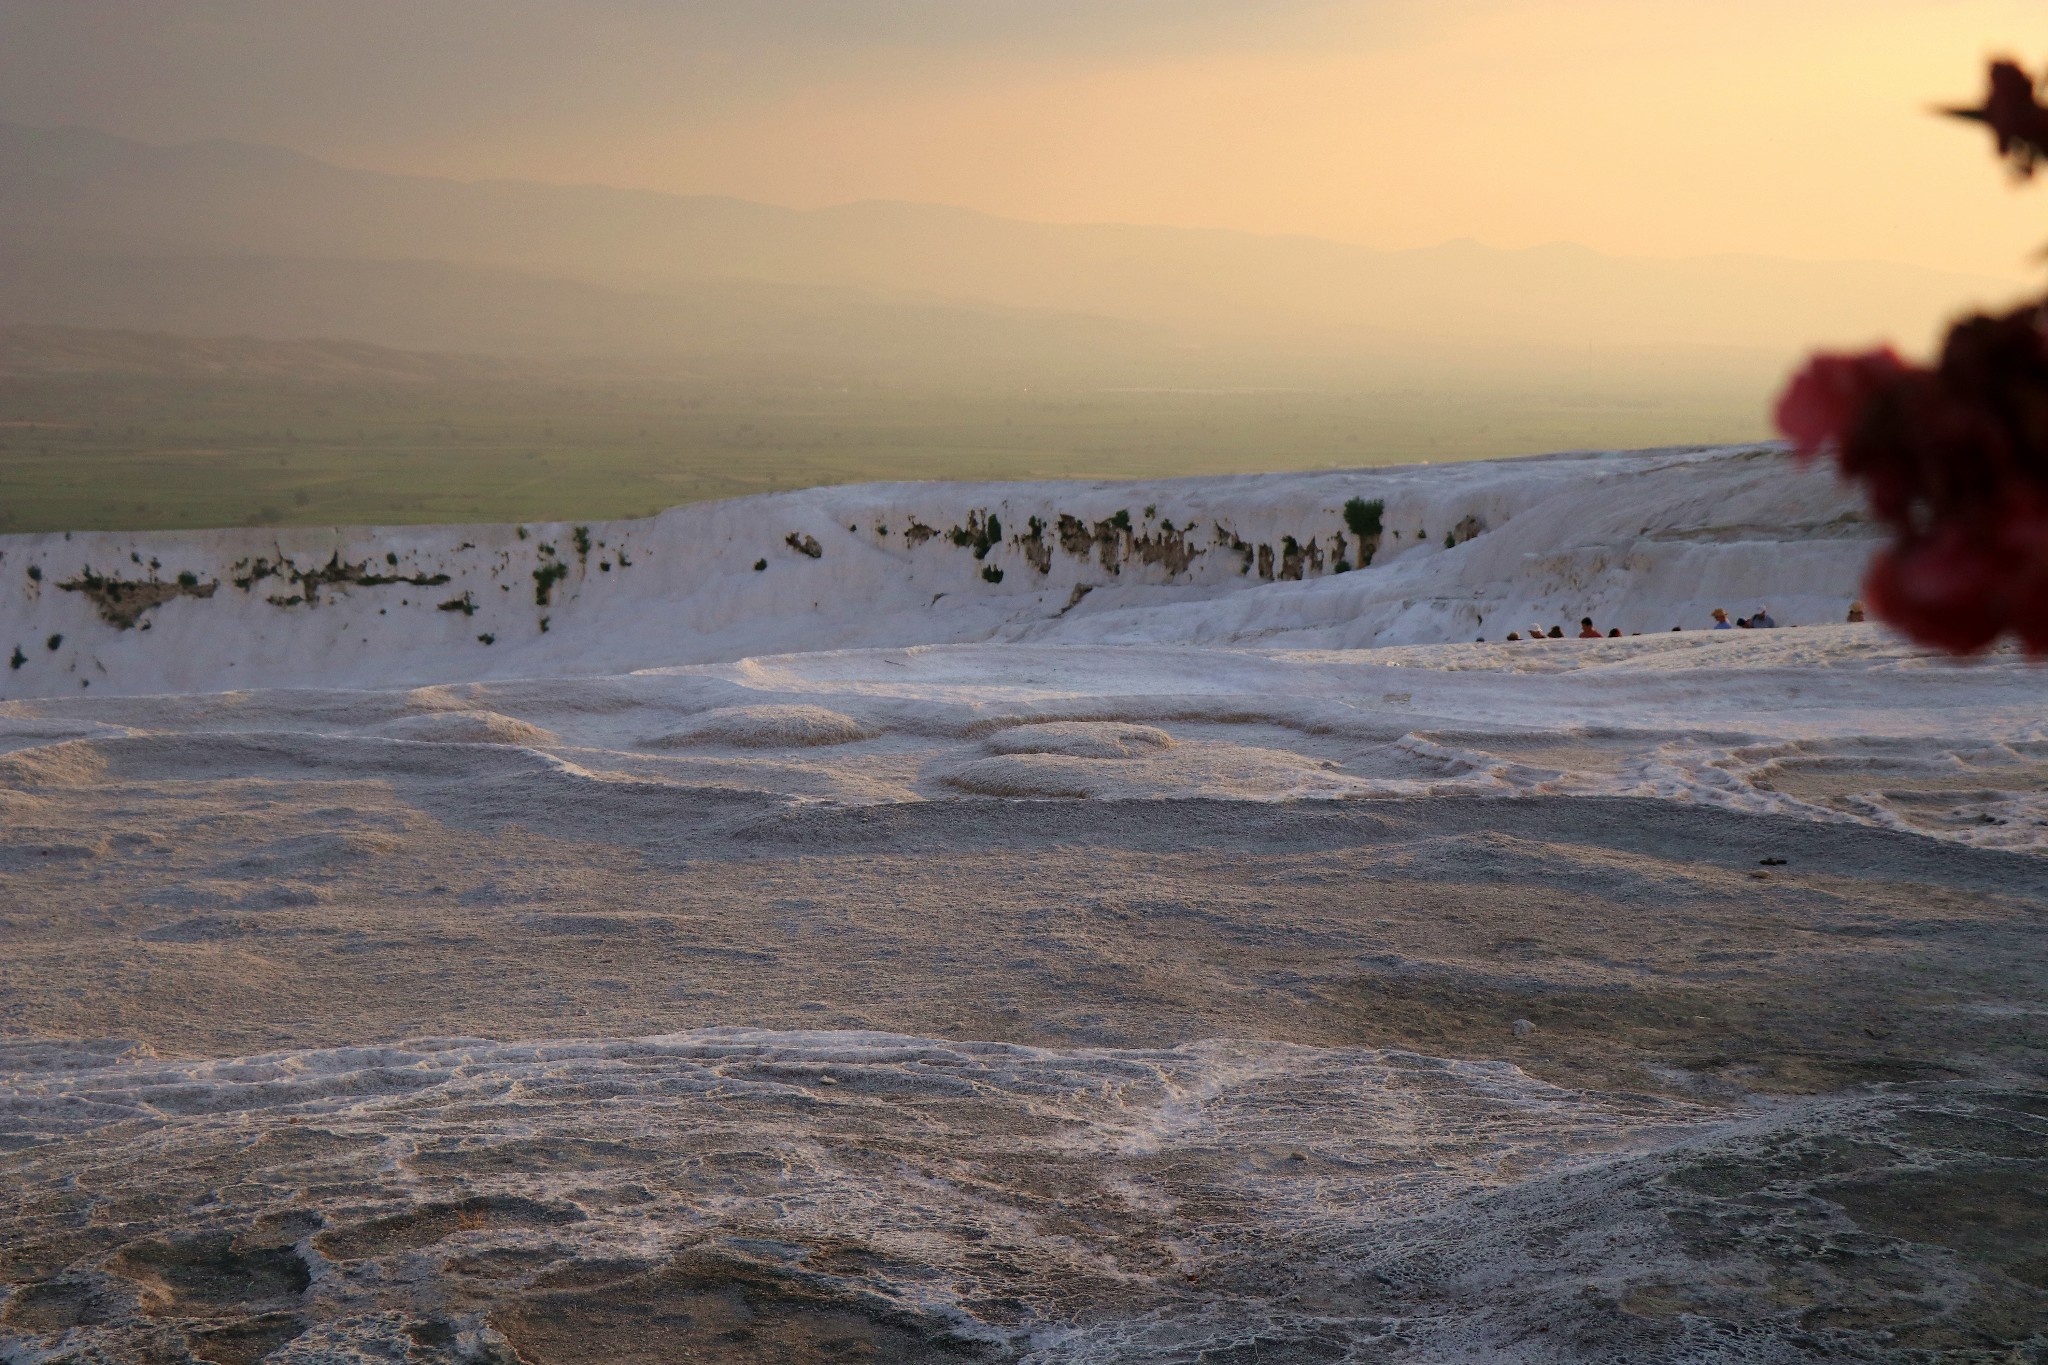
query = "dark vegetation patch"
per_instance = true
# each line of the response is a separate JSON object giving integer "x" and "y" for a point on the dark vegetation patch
{"x": 1364, "y": 519}
{"x": 805, "y": 545}
{"x": 1032, "y": 544}
{"x": 1295, "y": 561}
{"x": 1105, "y": 538}
{"x": 544, "y": 579}
{"x": 247, "y": 573}
{"x": 121, "y": 602}
{"x": 1224, "y": 536}
{"x": 982, "y": 533}
{"x": 1167, "y": 547}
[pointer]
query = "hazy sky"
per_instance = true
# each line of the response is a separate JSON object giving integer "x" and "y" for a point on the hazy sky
{"x": 1654, "y": 127}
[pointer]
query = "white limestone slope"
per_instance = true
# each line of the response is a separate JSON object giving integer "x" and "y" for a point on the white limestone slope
{"x": 1642, "y": 541}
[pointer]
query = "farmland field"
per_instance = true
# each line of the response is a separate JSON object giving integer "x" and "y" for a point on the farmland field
{"x": 140, "y": 453}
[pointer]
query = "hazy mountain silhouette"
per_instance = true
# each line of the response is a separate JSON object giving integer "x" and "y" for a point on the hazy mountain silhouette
{"x": 224, "y": 237}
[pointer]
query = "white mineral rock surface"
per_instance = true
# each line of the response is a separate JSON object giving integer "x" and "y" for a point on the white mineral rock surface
{"x": 1024, "y": 922}
{"x": 1642, "y": 542}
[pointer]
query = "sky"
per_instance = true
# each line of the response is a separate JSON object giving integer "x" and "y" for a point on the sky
{"x": 1797, "y": 128}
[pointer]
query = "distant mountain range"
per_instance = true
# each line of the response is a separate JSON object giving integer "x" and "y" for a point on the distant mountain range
{"x": 229, "y": 239}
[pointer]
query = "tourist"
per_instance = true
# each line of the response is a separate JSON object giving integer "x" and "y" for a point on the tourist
{"x": 1586, "y": 631}
{"x": 1614, "y": 634}
{"x": 1557, "y": 632}
{"x": 1762, "y": 620}
{"x": 1855, "y": 611}
{"x": 1721, "y": 619}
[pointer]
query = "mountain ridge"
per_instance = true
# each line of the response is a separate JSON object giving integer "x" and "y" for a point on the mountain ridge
{"x": 88, "y": 192}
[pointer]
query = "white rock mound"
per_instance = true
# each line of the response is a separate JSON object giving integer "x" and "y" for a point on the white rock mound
{"x": 467, "y": 727}
{"x": 766, "y": 727}
{"x": 1333, "y": 559}
{"x": 1081, "y": 739}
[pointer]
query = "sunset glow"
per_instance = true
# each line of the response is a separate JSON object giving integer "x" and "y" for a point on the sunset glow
{"x": 1639, "y": 127}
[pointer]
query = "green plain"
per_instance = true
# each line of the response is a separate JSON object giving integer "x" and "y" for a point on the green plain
{"x": 100, "y": 452}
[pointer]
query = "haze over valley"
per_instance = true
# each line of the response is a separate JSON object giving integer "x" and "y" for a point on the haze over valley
{"x": 209, "y": 311}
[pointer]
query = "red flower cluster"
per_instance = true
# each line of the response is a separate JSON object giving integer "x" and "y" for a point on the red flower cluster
{"x": 1955, "y": 460}
{"x": 2016, "y": 117}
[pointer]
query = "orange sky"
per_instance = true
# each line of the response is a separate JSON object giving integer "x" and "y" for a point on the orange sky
{"x": 1633, "y": 126}
{"x": 1649, "y": 127}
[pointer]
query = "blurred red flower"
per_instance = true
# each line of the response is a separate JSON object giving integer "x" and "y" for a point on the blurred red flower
{"x": 1953, "y": 458}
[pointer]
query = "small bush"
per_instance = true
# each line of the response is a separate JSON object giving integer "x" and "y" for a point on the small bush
{"x": 55, "y": 643}
{"x": 991, "y": 573}
{"x": 188, "y": 579}
{"x": 544, "y": 580}
{"x": 759, "y": 565}
{"x": 1364, "y": 517}
{"x": 19, "y": 658}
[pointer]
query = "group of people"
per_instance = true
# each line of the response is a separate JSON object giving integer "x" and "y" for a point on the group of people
{"x": 1760, "y": 619}
{"x": 1587, "y": 631}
